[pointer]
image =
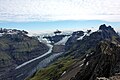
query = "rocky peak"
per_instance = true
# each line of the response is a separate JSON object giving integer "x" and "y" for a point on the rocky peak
{"x": 107, "y": 32}
{"x": 104, "y": 27}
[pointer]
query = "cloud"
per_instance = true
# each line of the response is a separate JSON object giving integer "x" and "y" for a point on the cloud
{"x": 50, "y": 10}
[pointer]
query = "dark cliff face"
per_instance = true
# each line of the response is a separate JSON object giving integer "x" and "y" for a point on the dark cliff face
{"x": 104, "y": 62}
{"x": 18, "y": 48}
{"x": 73, "y": 39}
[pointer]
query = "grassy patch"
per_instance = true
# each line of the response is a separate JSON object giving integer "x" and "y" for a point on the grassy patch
{"x": 54, "y": 71}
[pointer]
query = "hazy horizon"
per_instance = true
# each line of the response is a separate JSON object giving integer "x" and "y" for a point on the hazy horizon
{"x": 44, "y": 15}
{"x": 66, "y": 25}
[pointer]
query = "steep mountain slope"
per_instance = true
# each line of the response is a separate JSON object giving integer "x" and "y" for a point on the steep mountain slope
{"x": 74, "y": 37}
{"x": 16, "y": 47}
{"x": 90, "y": 49}
{"x": 94, "y": 55}
{"x": 104, "y": 62}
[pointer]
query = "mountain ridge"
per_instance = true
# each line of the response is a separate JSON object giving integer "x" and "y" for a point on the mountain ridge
{"x": 91, "y": 55}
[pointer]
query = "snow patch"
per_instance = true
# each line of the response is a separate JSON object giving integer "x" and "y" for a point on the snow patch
{"x": 84, "y": 59}
{"x": 30, "y": 34}
{"x": 1, "y": 34}
{"x": 63, "y": 73}
{"x": 85, "y": 34}
{"x": 102, "y": 78}
{"x": 81, "y": 65}
{"x": 88, "y": 34}
{"x": 91, "y": 53}
{"x": 11, "y": 33}
{"x": 99, "y": 30}
{"x": 118, "y": 45}
{"x": 63, "y": 41}
{"x": 81, "y": 37}
{"x": 87, "y": 55}
{"x": 87, "y": 63}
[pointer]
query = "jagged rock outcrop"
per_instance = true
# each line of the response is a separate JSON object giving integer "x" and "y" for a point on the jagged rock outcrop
{"x": 104, "y": 62}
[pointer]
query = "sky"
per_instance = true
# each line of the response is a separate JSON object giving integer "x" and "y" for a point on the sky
{"x": 48, "y": 15}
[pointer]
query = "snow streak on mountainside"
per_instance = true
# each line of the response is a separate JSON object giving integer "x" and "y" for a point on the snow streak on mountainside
{"x": 63, "y": 41}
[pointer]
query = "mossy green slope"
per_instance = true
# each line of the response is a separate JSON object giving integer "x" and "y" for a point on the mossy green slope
{"x": 54, "y": 71}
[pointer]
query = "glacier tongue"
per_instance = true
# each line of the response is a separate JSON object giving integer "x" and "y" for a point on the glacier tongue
{"x": 63, "y": 41}
{"x": 25, "y": 63}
